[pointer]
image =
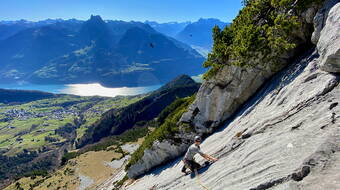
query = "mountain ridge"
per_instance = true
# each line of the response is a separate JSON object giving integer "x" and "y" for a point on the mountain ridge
{"x": 115, "y": 122}
{"x": 95, "y": 53}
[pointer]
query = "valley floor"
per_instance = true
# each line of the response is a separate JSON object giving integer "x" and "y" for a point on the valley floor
{"x": 32, "y": 125}
{"x": 87, "y": 171}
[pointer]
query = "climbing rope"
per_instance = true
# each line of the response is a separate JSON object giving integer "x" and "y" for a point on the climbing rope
{"x": 199, "y": 180}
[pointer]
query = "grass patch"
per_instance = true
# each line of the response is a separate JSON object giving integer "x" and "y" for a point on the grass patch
{"x": 121, "y": 182}
{"x": 131, "y": 135}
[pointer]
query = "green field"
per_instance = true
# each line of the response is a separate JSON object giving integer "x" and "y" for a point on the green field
{"x": 33, "y": 125}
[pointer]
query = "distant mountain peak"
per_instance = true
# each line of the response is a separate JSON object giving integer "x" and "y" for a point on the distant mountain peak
{"x": 181, "y": 80}
{"x": 209, "y": 20}
{"x": 94, "y": 21}
{"x": 168, "y": 28}
{"x": 95, "y": 29}
{"x": 96, "y": 18}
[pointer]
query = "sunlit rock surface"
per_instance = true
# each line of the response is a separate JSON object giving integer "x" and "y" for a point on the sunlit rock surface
{"x": 290, "y": 138}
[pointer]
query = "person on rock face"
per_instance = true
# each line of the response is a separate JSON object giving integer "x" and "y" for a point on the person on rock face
{"x": 189, "y": 161}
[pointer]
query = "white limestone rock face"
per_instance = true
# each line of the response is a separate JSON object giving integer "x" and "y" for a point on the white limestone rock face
{"x": 328, "y": 43}
{"x": 320, "y": 19}
{"x": 218, "y": 98}
{"x": 290, "y": 139}
{"x": 156, "y": 155}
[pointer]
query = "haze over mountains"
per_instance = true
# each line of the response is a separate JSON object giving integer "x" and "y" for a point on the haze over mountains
{"x": 113, "y": 53}
{"x": 199, "y": 33}
{"x": 170, "y": 28}
{"x": 196, "y": 34}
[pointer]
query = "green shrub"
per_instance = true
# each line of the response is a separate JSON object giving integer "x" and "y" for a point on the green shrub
{"x": 133, "y": 134}
{"x": 36, "y": 184}
{"x": 69, "y": 171}
{"x": 167, "y": 130}
{"x": 68, "y": 156}
{"x": 261, "y": 32}
{"x": 18, "y": 186}
{"x": 169, "y": 109}
{"x": 34, "y": 173}
{"x": 120, "y": 150}
{"x": 120, "y": 183}
{"x": 118, "y": 158}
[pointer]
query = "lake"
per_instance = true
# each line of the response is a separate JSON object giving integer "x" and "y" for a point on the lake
{"x": 94, "y": 89}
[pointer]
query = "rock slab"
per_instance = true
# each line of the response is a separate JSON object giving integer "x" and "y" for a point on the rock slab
{"x": 328, "y": 43}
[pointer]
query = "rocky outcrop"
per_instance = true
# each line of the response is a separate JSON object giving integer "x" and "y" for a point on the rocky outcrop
{"x": 161, "y": 151}
{"x": 219, "y": 98}
{"x": 320, "y": 19}
{"x": 156, "y": 155}
{"x": 329, "y": 40}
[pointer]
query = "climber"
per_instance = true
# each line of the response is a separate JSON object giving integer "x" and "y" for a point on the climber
{"x": 189, "y": 161}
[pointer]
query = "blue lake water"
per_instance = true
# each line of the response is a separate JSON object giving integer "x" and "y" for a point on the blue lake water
{"x": 94, "y": 89}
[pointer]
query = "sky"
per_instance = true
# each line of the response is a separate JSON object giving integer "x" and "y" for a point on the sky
{"x": 127, "y": 10}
